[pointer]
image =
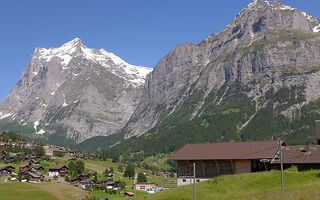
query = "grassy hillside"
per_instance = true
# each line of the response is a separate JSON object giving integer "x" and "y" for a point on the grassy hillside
{"x": 31, "y": 191}
{"x": 265, "y": 185}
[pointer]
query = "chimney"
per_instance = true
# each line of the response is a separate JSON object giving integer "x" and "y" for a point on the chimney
{"x": 318, "y": 131}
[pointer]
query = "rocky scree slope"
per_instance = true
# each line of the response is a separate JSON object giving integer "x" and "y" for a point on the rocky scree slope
{"x": 73, "y": 92}
{"x": 259, "y": 78}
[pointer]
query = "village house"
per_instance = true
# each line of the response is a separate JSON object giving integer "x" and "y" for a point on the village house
{"x": 104, "y": 180}
{"x": 25, "y": 164}
{"x": 305, "y": 157}
{"x": 80, "y": 177}
{"x": 215, "y": 159}
{"x": 3, "y": 145}
{"x": 37, "y": 168}
{"x": 7, "y": 170}
{"x": 58, "y": 170}
{"x": 114, "y": 185}
{"x": 34, "y": 177}
{"x": 146, "y": 186}
{"x": 87, "y": 184}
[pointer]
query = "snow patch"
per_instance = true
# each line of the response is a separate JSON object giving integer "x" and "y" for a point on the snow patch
{"x": 35, "y": 125}
{"x": 285, "y": 7}
{"x": 41, "y": 132}
{"x": 316, "y": 29}
{"x": 6, "y": 115}
{"x": 131, "y": 73}
{"x": 64, "y": 52}
{"x": 64, "y": 102}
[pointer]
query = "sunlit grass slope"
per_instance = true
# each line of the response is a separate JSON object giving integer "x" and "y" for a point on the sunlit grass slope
{"x": 264, "y": 185}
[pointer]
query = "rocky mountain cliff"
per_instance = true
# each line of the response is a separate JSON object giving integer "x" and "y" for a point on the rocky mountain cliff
{"x": 264, "y": 41}
{"x": 259, "y": 78}
{"x": 74, "y": 92}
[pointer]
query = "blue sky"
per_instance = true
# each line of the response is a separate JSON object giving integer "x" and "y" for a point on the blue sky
{"x": 139, "y": 31}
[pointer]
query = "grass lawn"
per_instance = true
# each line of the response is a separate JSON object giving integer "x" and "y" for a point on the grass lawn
{"x": 32, "y": 191}
{"x": 23, "y": 191}
{"x": 100, "y": 166}
{"x": 99, "y": 193}
{"x": 60, "y": 190}
{"x": 264, "y": 185}
{"x": 96, "y": 165}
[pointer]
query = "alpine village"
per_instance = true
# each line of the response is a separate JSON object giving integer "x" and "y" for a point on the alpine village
{"x": 236, "y": 116}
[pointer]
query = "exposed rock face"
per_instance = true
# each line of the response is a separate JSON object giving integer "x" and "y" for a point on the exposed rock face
{"x": 85, "y": 92}
{"x": 268, "y": 44}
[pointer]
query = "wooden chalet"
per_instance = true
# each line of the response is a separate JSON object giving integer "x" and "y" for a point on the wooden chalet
{"x": 80, "y": 177}
{"x": 87, "y": 184}
{"x": 7, "y": 170}
{"x": 214, "y": 159}
{"x": 104, "y": 180}
{"x": 58, "y": 170}
{"x": 305, "y": 157}
{"x": 112, "y": 185}
{"x": 37, "y": 168}
{"x": 34, "y": 177}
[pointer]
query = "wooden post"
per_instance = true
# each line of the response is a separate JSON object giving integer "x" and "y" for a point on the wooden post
{"x": 218, "y": 167}
{"x": 194, "y": 181}
{"x": 203, "y": 170}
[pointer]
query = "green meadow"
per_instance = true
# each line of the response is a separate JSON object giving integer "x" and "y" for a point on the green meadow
{"x": 263, "y": 185}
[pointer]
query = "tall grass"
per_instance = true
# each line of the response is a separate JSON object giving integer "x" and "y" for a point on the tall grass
{"x": 263, "y": 185}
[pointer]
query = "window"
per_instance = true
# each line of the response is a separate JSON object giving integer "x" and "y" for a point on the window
{"x": 142, "y": 187}
{"x": 184, "y": 180}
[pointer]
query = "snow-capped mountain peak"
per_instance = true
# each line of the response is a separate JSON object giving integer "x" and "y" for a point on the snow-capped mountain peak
{"x": 134, "y": 74}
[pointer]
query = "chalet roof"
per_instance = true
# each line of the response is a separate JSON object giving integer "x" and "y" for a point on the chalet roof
{"x": 142, "y": 183}
{"x": 228, "y": 151}
{"x": 37, "y": 167}
{"x": 104, "y": 180}
{"x": 7, "y": 168}
{"x": 34, "y": 175}
{"x": 57, "y": 167}
{"x": 129, "y": 193}
{"x": 87, "y": 181}
{"x": 112, "y": 183}
{"x": 25, "y": 164}
{"x": 305, "y": 154}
